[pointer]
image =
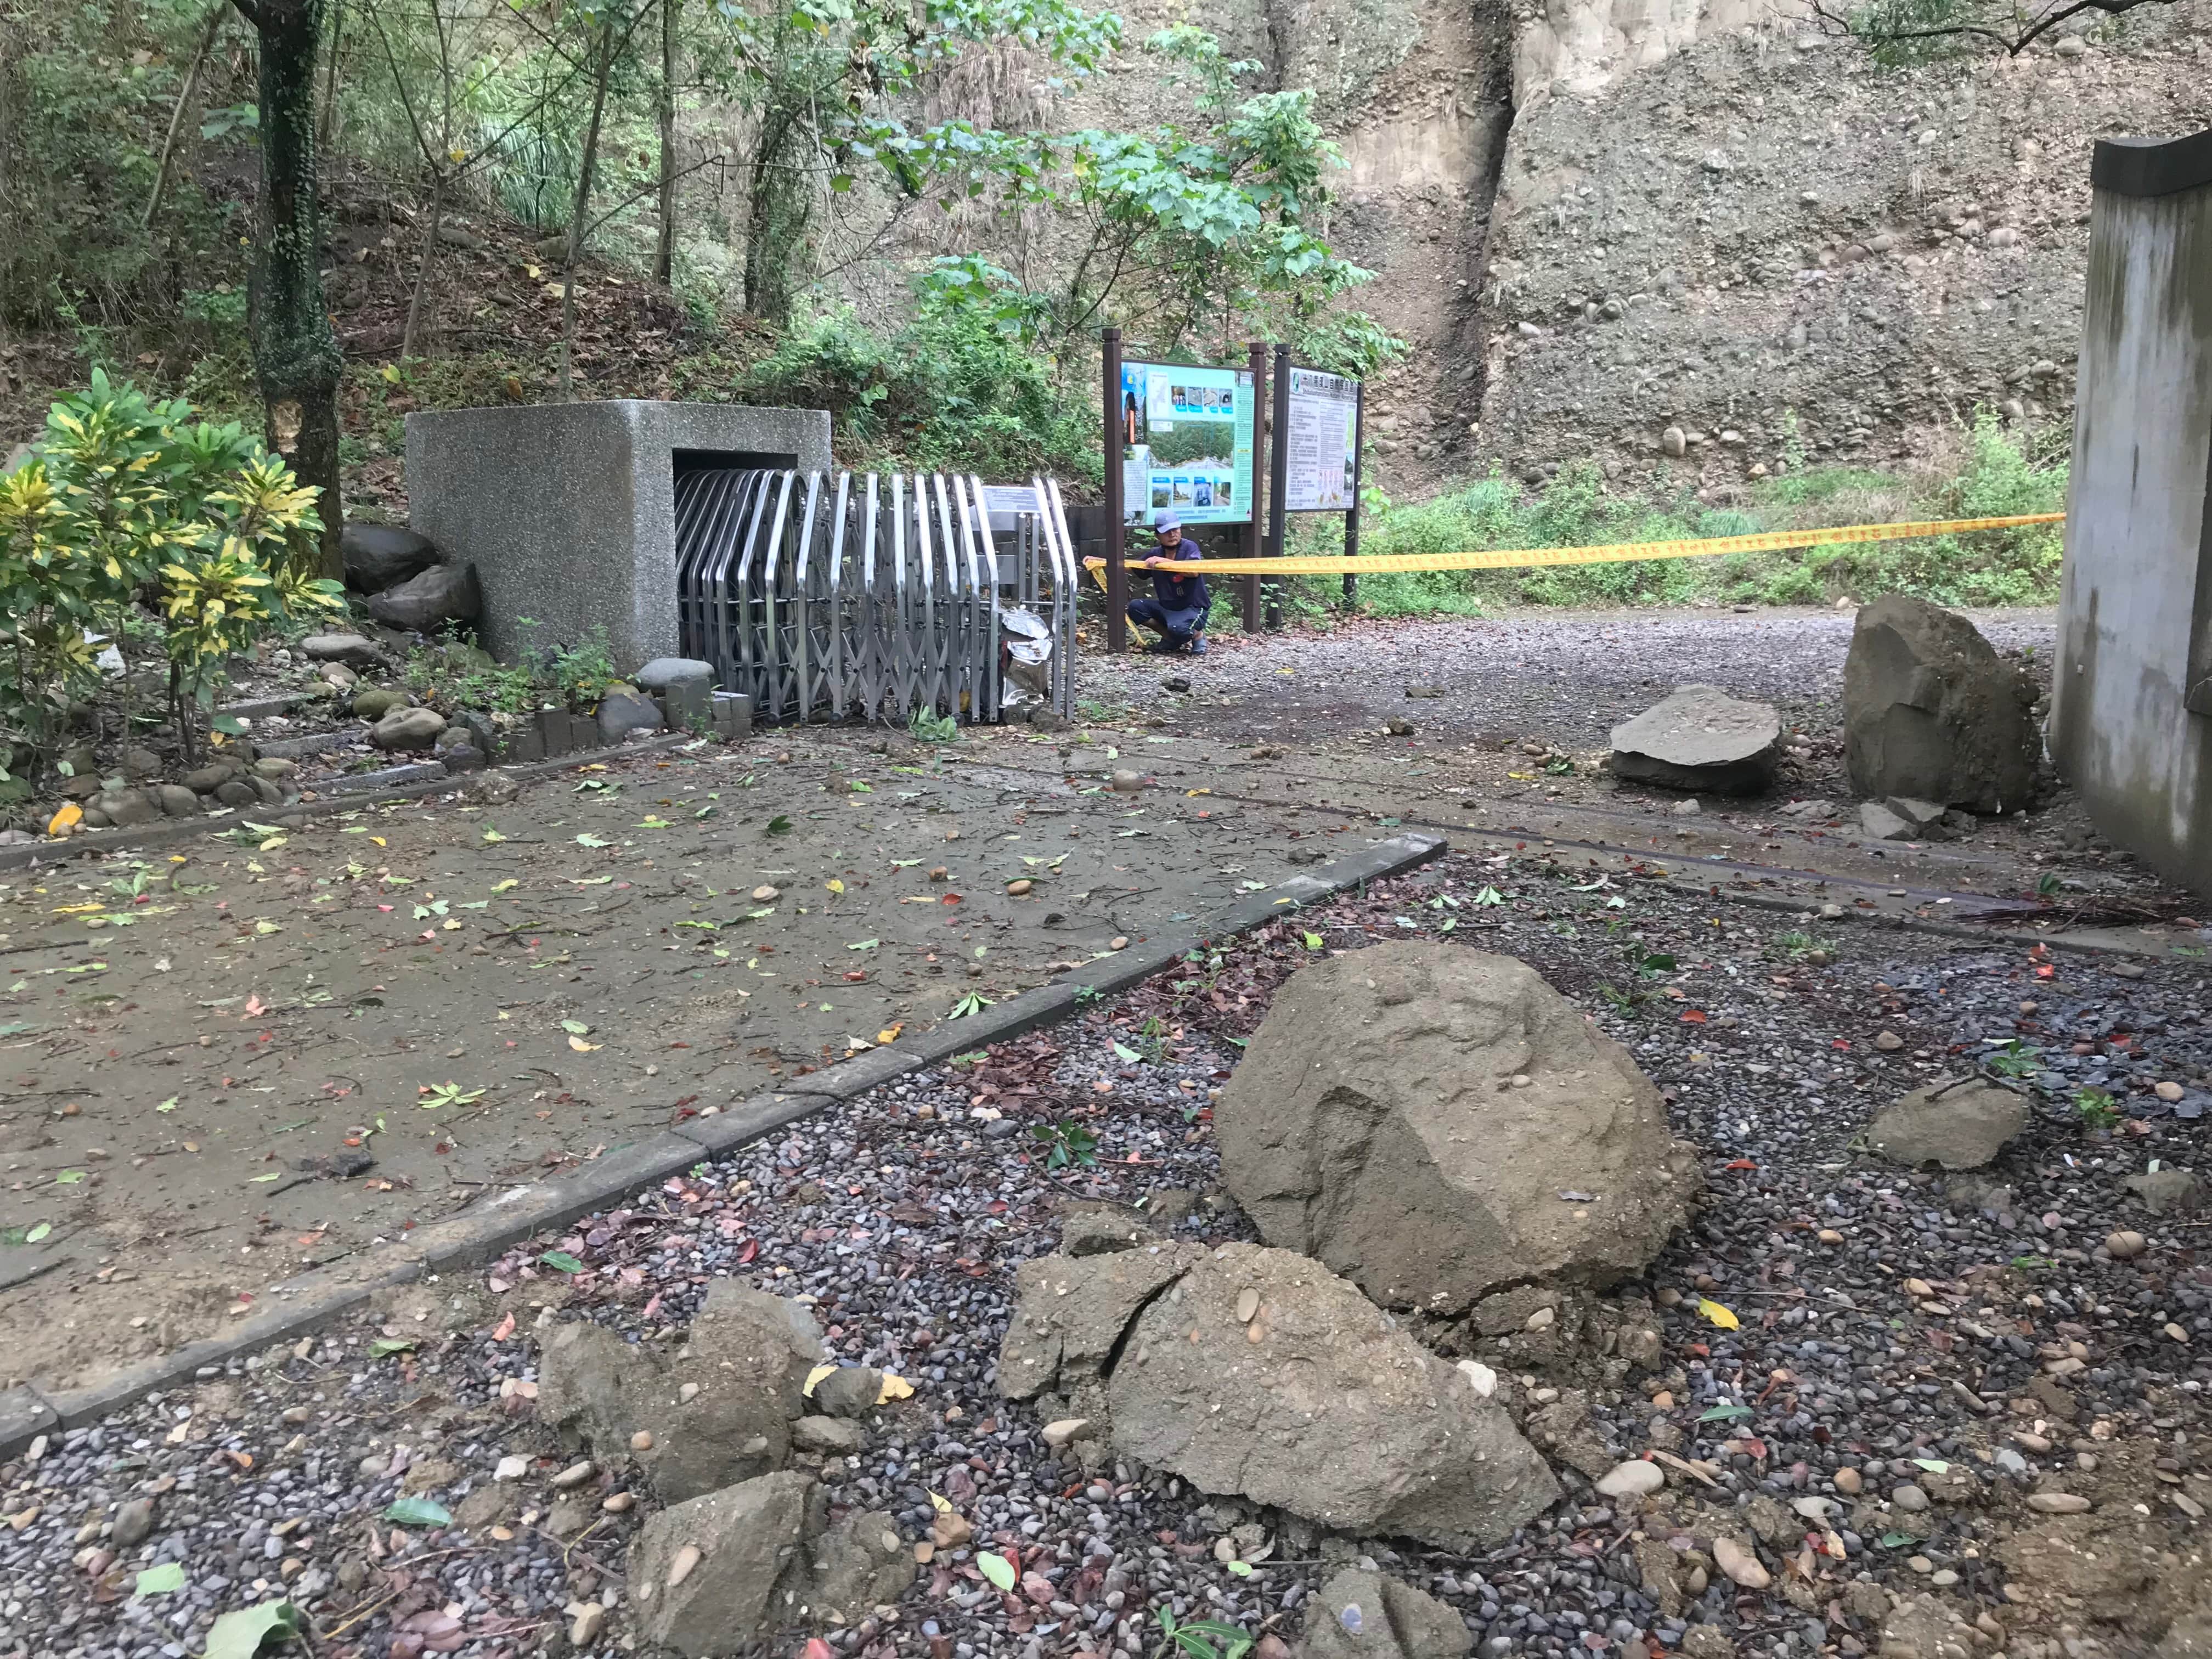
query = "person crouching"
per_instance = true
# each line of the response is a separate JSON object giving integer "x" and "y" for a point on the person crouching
{"x": 1178, "y": 606}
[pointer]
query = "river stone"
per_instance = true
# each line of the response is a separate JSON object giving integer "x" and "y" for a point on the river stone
{"x": 1699, "y": 737}
{"x": 127, "y": 808}
{"x": 1638, "y": 1478}
{"x": 622, "y": 711}
{"x": 378, "y": 700}
{"x": 237, "y": 792}
{"x": 407, "y": 728}
{"x": 1319, "y": 1404}
{"x": 424, "y": 604}
{"x": 1366, "y": 1615}
{"x": 381, "y": 555}
{"x": 1960, "y": 1125}
{"x": 663, "y": 672}
{"x": 1932, "y": 713}
{"x": 338, "y": 648}
{"x": 745, "y": 1536}
{"x": 1372, "y": 1124}
{"x": 176, "y": 801}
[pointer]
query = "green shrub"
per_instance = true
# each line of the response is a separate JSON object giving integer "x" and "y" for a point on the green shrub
{"x": 134, "y": 525}
{"x": 1996, "y": 475}
{"x": 947, "y": 390}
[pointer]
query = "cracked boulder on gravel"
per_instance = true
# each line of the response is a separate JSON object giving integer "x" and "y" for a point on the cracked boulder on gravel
{"x": 1437, "y": 1123}
{"x": 721, "y": 1412}
{"x": 735, "y": 1566}
{"x": 1367, "y": 1615}
{"x": 1699, "y": 737}
{"x": 1960, "y": 1125}
{"x": 703, "y": 1576}
{"x": 1259, "y": 1373}
{"x": 1070, "y": 1314}
{"x": 1932, "y": 713}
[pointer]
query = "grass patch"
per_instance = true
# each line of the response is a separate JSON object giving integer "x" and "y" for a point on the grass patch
{"x": 1981, "y": 470}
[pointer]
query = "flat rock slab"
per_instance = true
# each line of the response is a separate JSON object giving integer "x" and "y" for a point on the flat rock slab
{"x": 1700, "y": 738}
{"x": 1959, "y": 1125}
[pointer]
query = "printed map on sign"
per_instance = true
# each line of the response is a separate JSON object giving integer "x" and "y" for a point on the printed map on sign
{"x": 1186, "y": 443}
{"x": 1322, "y": 448}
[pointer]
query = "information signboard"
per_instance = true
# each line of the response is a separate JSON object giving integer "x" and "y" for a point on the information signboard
{"x": 1186, "y": 442}
{"x": 1321, "y": 447}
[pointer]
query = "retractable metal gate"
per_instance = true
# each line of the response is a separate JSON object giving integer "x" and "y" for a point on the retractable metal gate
{"x": 876, "y": 596}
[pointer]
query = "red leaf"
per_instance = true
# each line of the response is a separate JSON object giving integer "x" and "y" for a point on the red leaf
{"x": 748, "y": 1251}
{"x": 1694, "y": 1017}
{"x": 504, "y": 1329}
{"x": 1738, "y": 1163}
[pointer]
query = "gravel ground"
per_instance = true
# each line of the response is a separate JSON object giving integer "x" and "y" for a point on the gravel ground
{"x": 1923, "y": 1355}
{"x": 1569, "y": 676}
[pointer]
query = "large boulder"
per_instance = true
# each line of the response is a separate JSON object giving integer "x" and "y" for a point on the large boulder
{"x": 381, "y": 555}
{"x": 1958, "y": 1125}
{"x": 1260, "y": 1373}
{"x": 1435, "y": 1123}
{"x": 1699, "y": 738}
{"x": 1360, "y": 1614}
{"x": 721, "y": 1413}
{"x": 422, "y": 605}
{"x": 1932, "y": 713}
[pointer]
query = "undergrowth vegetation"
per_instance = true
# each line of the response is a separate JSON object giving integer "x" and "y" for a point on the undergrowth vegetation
{"x": 1980, "y": 470}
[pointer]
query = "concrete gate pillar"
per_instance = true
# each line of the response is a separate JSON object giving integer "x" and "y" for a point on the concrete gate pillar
{"x": 2131, "y": 722}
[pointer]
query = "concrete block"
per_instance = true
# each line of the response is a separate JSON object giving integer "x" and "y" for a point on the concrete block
{"x": 388, "y": 777}
{"x": 733, "y": 715}
{"x": 567, "y": 511}
{"x": 553, "y": 732}
{"x": 525, "y": 744}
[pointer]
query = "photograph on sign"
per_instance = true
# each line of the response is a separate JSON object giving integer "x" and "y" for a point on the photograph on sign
{"x": 1322, "y": 448}
{"x": 1186, "y": 443}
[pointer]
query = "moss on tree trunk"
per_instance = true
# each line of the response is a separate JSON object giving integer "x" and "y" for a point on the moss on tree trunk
{"x": 295, "y": 352}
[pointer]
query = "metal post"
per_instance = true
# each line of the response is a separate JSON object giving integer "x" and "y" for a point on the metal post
{"x": 1256, "y": 356}
{"x": 1117, "y": 535}
{"x": 1278, "y": 482}
{"x": 1351, "y": 518}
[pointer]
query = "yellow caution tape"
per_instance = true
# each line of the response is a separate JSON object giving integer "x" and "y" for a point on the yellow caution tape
{"x": 1770, "y": 541}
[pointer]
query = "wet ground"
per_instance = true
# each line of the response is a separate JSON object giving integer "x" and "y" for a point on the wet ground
{"x": 222, "y": 1064}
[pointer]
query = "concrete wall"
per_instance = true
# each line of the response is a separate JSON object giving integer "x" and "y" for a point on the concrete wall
{"x": 568, "y": 510}
{"x": 2135, "y": 635}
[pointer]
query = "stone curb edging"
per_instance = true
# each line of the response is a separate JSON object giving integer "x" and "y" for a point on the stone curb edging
{"x": 313, "y": 1299}
{"x": 169, "y": 831}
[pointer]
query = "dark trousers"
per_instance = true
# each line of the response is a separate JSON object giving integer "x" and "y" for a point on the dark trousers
{"x": 1175, "y": 626}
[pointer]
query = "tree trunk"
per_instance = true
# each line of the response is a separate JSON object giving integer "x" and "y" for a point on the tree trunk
{"x": 409, "y": 339}
{"x": 295, "y": 352}
{"x": 328, "y": 133}
{"x": 776, "y": 226}
{"x": 604, "y": 73}
{"x": 664, "y": 252}
{"x": 191, "y": 83}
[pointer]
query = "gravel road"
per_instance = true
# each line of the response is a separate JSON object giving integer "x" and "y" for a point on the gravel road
{"x": 1921, "y": 1356}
